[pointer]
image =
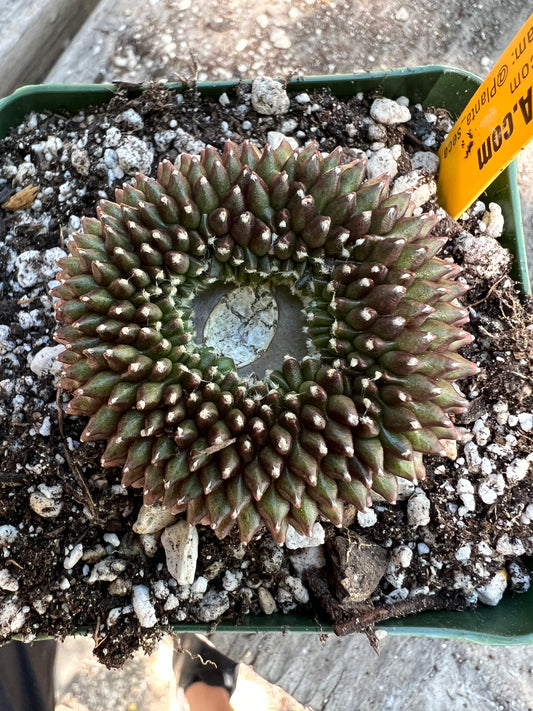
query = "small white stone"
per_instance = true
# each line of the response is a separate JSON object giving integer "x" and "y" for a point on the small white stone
{"x": 526, "y": 421}
{"x": 112, "y": 539}
{"x": 269, "y": 96}
{"x": 422, "y": 548}
{"x": 113, "y": 616}
{"x": 401, "y": 557}
{"x": 501, "y": 410}
{"x": 134, "y": 155}
{"x": 187, "y": 143}
{"x": 381, "y": 162}
{"x": 143, "y": 607}
{"x": 160, "y": 589}
{"x": 35, "y": 266}
{"x": 45, "y": 361}
{"x": 45, "y": 506}
{"x": 505, "y": 546}
{"x": 492, "y": 592}
{"x": 294, "y": 540}
{"x": 274, "y": 138}
{"x": 231, "y": 580}
{"x": 389, "y": 112}
{"x": 213, "y": 606}
{"x": 472, "y": 456}
{"x": 73, "y": 557}
{"x": 427, "y": 161}
{"x": 484, "y": 256}
{"x": 172, "y": 602}
{"x": 199, "y": 586}
{"x": 80, "y": 160}
{"x": 149, "y": 543}
{"x": 482, "y": 432}
{"x": 7, "y": 581}
{"x": 266, "y": 601}
{"x": 298, "y": 589}
{"x": 520, "y": 577}
{"x": 8, "y": 534}
{"x": 12, "y": 618}
{"x": 152, "y": 519}
{"x": 405, "y": 490}
{"x": 106, "y": 570}
{"x": 418, "y": 509}
{"x": 486, "y": 493}
{"x": 493, "y": 220}
{"x": 376, "y": 131}
{"x": 463, "y": 553}
{"x": 131, "y": 119}
{"x": 517, "y": 470}
{"x": 367, "y": 519}
{"x": 180, "y": 542}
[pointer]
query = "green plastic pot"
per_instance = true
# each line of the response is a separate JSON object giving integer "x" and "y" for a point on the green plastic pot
{"x": 510, "y": 622}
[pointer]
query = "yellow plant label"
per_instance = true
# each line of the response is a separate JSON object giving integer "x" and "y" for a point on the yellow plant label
{"x": 495, "y": 125}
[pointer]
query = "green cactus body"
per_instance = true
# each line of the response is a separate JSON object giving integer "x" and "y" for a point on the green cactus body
{"x": 374, "y": 392}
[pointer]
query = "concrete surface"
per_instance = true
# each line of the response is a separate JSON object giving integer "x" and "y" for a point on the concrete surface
{"x": 155, "y": 39}
{"x": 33, "y": 35}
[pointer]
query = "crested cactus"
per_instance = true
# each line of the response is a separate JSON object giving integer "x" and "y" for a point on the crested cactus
{"x": 374, "y": 393}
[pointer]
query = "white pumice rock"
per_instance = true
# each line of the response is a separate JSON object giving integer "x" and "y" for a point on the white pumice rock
{"x": 418, "y": 509}
{"x": 187, "y": 143}
{"x": 45, "y": 361}
{"x": 143, "y": 606}
{"x": 12, "y": 617}
{"x": 501, "y": 409}
{"x": 199, "y": 586}
{"x": 172, "y": 603}
{"x": 493, "y": 221}
{"x": 380, "y": 162}
{"x": 106, "y": 570}
{"x": 492, "y": 592}
{"x": 463, "y": 552}
{"x": 472, "y": 456}
{"x": 114, "y": 615}
{"x": 8, "y": 534}
{"x": 297, "y": 588}
{"x": 519, "y": 577}
{"x": 80, "y": 160}
{"x": 269, "y": 96}
{"x": 427, "y": 161}
{"x": 295, "y": 540}
{"x": 400, "y": 557}
{"x": 484, "y": 256}
{"x": 266, "y": 601}
{"x": 160, "y": 589}
{"x": 367, "y": 519}
{"x": 465, "y": 490}
{"x": 163, "y": 139}
{"x": 131, "y": 119}
{"x": 517, "y": 470}
{"x": 308, "y": 558}
{"x": 274, "y": 138}
{"x": 180, "y": 542}
{"x": 150, "y": 544}
{"x": 35, "y": 266}
{"x": 6, "y": 345}
{"x": 486, "y": 493}
{"x": 389, "y": 112}
{"x": 45, "y": 506}
{"x": 120, "y": 587}
{"x": 213, "y": 606}
{"x": 231, "y": 580}
{"x": 73, "y": 557}
{"x": 525, "y": 420}
{"x": 482, "y": 432}
{"x": 506, "y": 547}
{"x": 112, "y": 539}
{"x": 376, "y": 131}
{"x": 7, "y": 581}
{"x": 134, "y": 155}
{"x": 405, "y": 490}
{"x": 152, "y": 519}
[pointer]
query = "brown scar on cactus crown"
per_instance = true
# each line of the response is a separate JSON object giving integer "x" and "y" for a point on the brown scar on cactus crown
{"x": 372, "y": 396}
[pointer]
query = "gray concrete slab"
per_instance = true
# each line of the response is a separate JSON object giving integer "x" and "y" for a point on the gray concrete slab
{"x": 33, "y": 35}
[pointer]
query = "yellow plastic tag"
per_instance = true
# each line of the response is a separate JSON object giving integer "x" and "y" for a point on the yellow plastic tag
{"x": 492, "y": 129}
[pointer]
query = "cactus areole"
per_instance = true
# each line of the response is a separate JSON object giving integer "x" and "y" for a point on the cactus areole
{"x": 372, "y": 393}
